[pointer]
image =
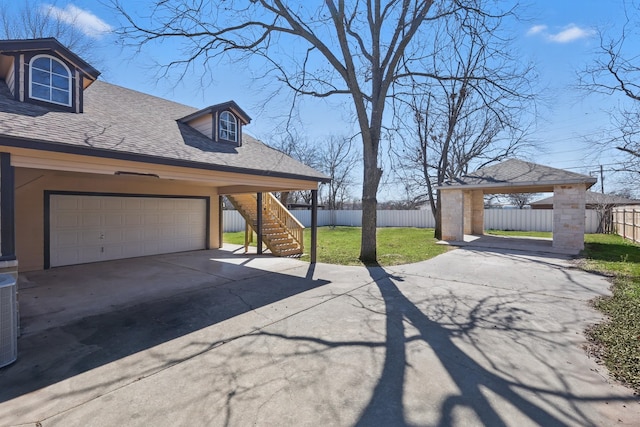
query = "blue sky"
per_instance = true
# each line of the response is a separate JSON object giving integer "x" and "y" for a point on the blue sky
{"x": 560, "y": 37}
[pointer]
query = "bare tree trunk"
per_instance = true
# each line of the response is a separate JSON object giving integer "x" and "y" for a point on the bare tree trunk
{"x": 372, "y": 174}
{"x": 284, "y": 198}
{"x": 438, "y": 216}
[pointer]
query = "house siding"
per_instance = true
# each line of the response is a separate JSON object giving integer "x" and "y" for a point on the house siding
{"x": 11, "y": 79}
{"x": 204, "y": 125}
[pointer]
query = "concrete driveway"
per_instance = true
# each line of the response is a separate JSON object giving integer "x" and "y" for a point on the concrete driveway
{"x": 472, "y": 337}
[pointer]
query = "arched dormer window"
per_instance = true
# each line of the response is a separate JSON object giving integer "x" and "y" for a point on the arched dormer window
{"x": 228, "y": 127}
{"x": 50, "y": 80}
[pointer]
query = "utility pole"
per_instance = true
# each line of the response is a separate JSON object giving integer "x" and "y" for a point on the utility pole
{"x": 601, "y": 180}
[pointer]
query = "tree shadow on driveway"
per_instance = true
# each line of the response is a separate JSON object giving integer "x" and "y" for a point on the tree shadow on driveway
{"x": 372, "y": 347}
{"x": 551, "y": 406}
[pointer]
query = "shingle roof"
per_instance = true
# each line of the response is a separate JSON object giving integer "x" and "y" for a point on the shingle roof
{"x": 518, "y": 173}
{"x": 594, "y": 198}
{"x": 117, "y": 120}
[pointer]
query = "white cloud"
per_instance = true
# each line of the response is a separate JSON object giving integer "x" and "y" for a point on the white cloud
{"x": 571, "y": 33}
{"x": 568, "y": 34}
{"x": 83, "y": 20}
{"x": 536, "y": 29}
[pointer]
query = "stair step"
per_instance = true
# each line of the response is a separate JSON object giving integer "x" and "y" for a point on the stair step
{"x": 285, "y": 241}
{"x": 278, "y": 240}
{"x": 291, "y": 252}
{"x": 287, "y": 247}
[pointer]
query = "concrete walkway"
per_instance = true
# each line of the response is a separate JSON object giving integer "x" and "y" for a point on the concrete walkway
{"x": 472, "y": 337}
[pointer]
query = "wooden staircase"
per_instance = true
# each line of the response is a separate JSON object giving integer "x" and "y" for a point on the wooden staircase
{"x": 282, "y": 233}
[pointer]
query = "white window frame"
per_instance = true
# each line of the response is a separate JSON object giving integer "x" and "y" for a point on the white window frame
{"x": 232, "y": 121}
{"x": 68, "y": 76}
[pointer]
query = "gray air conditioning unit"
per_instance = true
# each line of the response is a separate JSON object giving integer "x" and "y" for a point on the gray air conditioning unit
{"x": 8, "y": 320}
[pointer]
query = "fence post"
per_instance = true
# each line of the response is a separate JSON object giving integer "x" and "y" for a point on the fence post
{"x": 634, "y": 225}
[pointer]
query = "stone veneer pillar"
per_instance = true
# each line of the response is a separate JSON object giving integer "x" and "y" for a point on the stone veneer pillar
{"x": 468, "y": 212}
{"x": 477, "y": 212}
{"x": 473, "y": 212}
{"x": 569, "y": 216}
{"x": 452, "y": 215}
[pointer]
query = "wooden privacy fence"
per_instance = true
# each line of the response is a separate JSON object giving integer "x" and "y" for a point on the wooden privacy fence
{"x": 626, "y": 222}
{"x": 498, "y": 219}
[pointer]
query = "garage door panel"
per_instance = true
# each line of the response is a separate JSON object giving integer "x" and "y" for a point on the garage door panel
{"x": 151, "y": 219}
{"x": 75, "y": 255}
{"x": 89, "y": 237}
{"x": 112, "y": 251}
{"x": 89, "y": 203}
{"x": 167, "y": 218}
{"x": 112, "y": 204}
{"x": 90, "y": 219}
{"x": 111, "y": 236}
{"x": 166, "y": 205}
{"x": 114, "y": 219}
{"x": 133, "y": 219}
{"x": 150, "y": 204}
{"x": 132, "y": 236}
{"x": 68, "y": 220}
{"x": 67, "y": 203}
{"x": 132, "y": 251}
{"x": 70, "y": 255}
{"x": 97, "y": 228}
{"x": 67, "y": 238}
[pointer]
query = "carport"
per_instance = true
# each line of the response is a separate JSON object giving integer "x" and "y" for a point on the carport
{"x": 463, "y": 199}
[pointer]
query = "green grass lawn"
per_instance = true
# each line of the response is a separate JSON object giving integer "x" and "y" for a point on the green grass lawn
{"x": 341, "y": 245}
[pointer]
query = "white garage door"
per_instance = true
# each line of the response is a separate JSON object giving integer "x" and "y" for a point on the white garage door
{"x": 100, "y": 228}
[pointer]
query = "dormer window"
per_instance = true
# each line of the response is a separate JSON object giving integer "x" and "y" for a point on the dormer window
{"x": 50, "y": 80}
{"x": 220, "y": 123}
{"x": 228, "y": 129}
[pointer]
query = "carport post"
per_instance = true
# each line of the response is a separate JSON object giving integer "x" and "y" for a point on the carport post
{"x": 314, "y": 224}
{"x": 7, "y": 209}
{"x": 220, "y": 221}
{"x": 259, "y": 223}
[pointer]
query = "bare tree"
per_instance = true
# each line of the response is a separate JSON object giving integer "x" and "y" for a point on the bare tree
{"x": 338, "y": 158}
{"x": 520, "y": 200}
{"x": 298, "y": 147}
{"x": 471, "y": 120}
{"x": 27, "y": 20}
{"x": 357, "y": 49}
{"x": 616, "y": 71}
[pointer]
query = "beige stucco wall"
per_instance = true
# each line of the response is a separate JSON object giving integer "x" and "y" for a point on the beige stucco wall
{"x": 31, "y": 184}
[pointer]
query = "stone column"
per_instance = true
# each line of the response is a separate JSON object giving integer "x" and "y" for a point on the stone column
{"x": 452, "y": 215}
{"x": 569, "y": 217}
{"x": 468, "y": 211}
{"x": 477, "y": 212}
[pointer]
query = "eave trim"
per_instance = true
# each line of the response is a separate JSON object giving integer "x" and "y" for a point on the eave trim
{"x": 144, "y": 158}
